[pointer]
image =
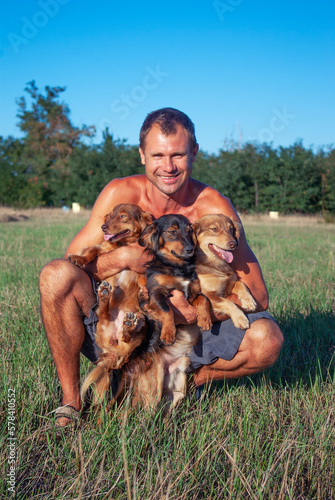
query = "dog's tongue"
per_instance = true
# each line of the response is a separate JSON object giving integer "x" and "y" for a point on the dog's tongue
{"x": 227, "y": 256}
{"x": 108, "y": 237}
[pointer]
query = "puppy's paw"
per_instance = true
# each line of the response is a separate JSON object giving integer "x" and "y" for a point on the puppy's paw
{"x": 132, "y": 323}
{"x": 205, "y": 323}
{"x": 168, "y": 336}
{"x": 104, "y": 290}
{"x": 78, "y": 260}
{"x": 240, "y": 320}
{"x": 248, "y": 303}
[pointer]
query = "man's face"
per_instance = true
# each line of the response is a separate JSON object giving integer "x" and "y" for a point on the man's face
{"x": 168, "y": 159}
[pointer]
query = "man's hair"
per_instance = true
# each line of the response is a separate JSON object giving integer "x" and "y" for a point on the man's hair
{"x": 168, "y": 119}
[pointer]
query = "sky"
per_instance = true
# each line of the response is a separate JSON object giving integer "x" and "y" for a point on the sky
{"x": 242, "y": 70}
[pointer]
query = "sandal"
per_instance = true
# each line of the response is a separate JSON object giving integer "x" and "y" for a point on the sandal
{"x": 68, "y": 412}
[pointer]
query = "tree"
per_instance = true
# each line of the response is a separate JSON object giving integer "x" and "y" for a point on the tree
{"x": 50, "y": 139}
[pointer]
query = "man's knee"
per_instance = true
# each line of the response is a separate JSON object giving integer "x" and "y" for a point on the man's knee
{"x": 54, "y": 276}
{"x": 266, "y": 341}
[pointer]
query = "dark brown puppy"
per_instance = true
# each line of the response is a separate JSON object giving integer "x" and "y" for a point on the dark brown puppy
{"x": 170, "y": 240}
{"x": 122, "y": 226}
{"x": 218, "y": 237}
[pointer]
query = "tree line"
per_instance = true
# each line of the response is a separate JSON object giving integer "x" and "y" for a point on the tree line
{"x": 52, "y": 165}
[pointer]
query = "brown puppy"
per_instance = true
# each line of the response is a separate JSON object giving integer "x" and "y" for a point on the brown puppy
{"x": 121, "y": 328}
{"x": 122, "y": 226}
{"x": 171, "y": 242}
{"x": 217, "y": 237}
{"x": 122, "y": 325}
{"x": 153, "y": 375}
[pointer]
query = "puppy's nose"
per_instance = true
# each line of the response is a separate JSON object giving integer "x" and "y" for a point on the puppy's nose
{"x": 104, "y": 227}
{"x": 232, "y": 245}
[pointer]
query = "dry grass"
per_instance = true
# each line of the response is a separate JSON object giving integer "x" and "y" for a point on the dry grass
{"x": 8, "y": 214}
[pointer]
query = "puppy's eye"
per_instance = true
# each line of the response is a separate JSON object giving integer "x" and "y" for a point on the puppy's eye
{"x": 214, "y": 229}
{"x": 173, "y": 232}
{"x": 123, "y": 216}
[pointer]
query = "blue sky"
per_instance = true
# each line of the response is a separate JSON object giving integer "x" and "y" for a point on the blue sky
{"x": 259, "y": 70}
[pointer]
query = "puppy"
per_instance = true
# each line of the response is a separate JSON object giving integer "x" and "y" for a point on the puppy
{"x": 122, "y": 324}
{"x": 217, "y": 238}
{"x": 157, "y": 372}
{"x": 121, "y": 328}
{"x": 122, "y": 226}
{"x": 170, "y": 240}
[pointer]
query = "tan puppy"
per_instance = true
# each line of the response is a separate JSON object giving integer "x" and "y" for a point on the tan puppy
{"x": 218, "y": 237}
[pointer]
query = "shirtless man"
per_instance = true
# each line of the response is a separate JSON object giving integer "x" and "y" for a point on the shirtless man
{"x": 168, "y": 149}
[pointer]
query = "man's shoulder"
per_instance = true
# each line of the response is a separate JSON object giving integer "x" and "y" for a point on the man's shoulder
{"x": 131, "y": 180}
{"x": 211, "y": 201}
{"x": 125, "y": 188}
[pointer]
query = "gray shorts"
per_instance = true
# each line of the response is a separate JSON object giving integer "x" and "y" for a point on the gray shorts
{"x": 222, "y": 341}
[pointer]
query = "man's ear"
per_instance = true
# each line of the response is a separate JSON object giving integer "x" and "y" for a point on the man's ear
{"x": 142, "y": 155}
{"x": 194, "y": 153}
{"x": 149, "y": 237}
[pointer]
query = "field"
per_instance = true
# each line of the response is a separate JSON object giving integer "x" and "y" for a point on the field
{"x": 270, "y": 436}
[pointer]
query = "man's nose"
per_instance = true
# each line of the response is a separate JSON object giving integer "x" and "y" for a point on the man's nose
{"x": 168, "y": 164}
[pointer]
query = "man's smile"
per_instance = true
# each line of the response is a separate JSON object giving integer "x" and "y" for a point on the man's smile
{"x": 169, "y": 178}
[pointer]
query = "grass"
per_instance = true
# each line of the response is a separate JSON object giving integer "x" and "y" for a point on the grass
{"x": 270, "y": 436}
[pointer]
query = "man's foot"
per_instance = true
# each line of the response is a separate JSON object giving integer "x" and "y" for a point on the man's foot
{"x": 66, "y": 415}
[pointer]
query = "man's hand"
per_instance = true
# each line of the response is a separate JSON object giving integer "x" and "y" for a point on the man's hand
{"x": 183, "y": 312}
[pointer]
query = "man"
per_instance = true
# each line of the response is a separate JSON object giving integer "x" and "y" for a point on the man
{"x": 168, "y": 148}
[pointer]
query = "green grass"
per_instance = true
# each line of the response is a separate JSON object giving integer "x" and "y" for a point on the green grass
{"x": 270, "y": 436}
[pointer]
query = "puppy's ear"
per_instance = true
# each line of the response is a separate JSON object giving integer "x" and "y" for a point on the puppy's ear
{"x": 237, "y": 229}
{"x": 149, "y": 237}
{"x": 193, "y": 236}
{"x": 145, "y": 219}
{"x": 107, "y": 217}
{"x": 196, "y": 226}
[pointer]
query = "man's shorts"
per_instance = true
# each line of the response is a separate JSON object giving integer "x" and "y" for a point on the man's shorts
{"x": 222, "y": 341}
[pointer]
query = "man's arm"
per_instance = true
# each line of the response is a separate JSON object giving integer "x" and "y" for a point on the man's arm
{"x": 131, "y": 257}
